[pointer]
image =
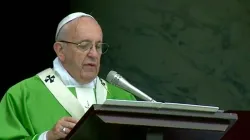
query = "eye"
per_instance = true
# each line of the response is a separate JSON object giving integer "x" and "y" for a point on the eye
{"x": 85, "y": 45}
{"x": 98, "y": 46}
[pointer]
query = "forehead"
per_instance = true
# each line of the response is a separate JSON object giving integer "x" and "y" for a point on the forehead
{"x": 86, "y": 28}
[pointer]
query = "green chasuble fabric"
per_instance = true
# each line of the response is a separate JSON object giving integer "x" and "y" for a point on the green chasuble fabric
{"x": 29, "y": 109}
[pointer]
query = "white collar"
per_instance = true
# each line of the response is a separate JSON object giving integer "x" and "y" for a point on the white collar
{"x": 66, "y": 77}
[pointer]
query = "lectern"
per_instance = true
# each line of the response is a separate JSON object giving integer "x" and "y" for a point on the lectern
{"x": 134, "y": 120}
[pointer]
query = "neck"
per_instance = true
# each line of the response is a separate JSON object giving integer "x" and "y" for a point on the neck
{"x": 83, "y": 81}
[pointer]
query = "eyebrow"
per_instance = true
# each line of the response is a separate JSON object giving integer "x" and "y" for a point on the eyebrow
{"x": 90, "y": 41}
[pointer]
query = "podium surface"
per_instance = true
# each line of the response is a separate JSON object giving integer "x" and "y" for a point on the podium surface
{"x": 120, "y": 122}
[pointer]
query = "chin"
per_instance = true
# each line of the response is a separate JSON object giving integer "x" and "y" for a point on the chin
{"x": 88, "y": 76}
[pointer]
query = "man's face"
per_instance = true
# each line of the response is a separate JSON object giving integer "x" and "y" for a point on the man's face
{"x": 83, "y": 65}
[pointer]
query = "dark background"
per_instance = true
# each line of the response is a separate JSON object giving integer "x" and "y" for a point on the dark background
{"x": 28, "y": 32}
{"x": 192, "y": 51}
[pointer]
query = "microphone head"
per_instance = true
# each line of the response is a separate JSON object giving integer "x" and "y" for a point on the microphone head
{"x": 112, "y": 77}
{"x": 117, "y": 80}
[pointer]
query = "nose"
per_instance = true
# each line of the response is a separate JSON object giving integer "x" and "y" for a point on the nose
{"x": 93, "y": 52}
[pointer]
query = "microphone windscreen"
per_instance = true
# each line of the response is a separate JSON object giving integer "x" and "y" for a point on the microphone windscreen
{"x": 111, "y": 76}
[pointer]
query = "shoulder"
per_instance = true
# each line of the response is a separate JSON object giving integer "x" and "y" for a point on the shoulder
{"x": 115, "y": 92}
{"x": 19, "y": 89}
{"x": 30, "y": 82}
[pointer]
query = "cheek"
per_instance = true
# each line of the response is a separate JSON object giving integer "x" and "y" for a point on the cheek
{"x": 69, "y": 56}
{"x": 80, "y": 57}
{"x": 99, "y": 60}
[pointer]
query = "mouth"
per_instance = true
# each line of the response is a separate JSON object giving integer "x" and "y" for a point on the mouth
{"x": 90, "y": 64}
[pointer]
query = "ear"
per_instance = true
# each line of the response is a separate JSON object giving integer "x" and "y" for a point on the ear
{"x": 58, "y": 48}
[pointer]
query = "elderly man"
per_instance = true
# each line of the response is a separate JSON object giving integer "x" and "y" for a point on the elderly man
{"x": 48, "y": 105}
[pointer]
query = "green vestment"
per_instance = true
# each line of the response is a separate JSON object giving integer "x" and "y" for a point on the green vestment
{"x": 29, "y": 109}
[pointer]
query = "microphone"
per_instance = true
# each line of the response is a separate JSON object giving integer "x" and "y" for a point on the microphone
{"x": 117, "y": 80}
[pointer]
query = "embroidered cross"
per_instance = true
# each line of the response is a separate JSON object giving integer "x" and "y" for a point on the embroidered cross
{"x": 50, "y": 78}
{"x": 88, "y": 105}
{"x": 102, "y": 82}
